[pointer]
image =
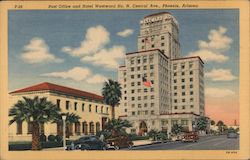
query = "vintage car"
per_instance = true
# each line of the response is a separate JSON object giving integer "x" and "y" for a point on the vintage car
{"x": 87, "y": 143}
{"x": 190, "y": 137}
{"x": 119, "y": 142}
{"x": 232, "y": 135}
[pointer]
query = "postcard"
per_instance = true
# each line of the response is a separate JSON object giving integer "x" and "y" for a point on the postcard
{"x": 124, "y": 80}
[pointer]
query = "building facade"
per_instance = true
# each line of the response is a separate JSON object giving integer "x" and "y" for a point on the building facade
{"x": 89, "y": 107}
{"x": 175, "y": 94}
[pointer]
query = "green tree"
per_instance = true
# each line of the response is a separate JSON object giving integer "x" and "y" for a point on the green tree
{"x": 36, "y": 111}
{"x": 202, "y": 123}
{"x": 111, "y": 92}
{"x": 117, "y": 126}
{"x": 70, "y": 119}
{"x": 212, "y": 122}
{"x": 220, "y": 125}
{"x": 153, "y": 134}
{"x": 176, "y": 129}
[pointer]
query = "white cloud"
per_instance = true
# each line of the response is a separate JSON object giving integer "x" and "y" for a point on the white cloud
{"x": 78, "y": 74}
{"x": 218, "y": 92}
{"x": 214, "y": 49}
{"x": 220, "y": 75}
{"x": 95, "y": 39}
{"x": 96, "y": 79}
{"x": 37, "y": 51}
{"x": 93, "y": 49}
{"x": 125, "y": 33}
{"x": 106, "y": 57}
{"x": 207, "y": 55}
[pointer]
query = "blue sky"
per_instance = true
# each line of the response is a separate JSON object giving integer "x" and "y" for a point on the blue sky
{"x": 54, "y": 30}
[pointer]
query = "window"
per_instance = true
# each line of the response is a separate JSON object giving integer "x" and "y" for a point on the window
{"x": 125, "y": 92}
{"x": 175, "y": 101}
{"x": 132, "y": 69}
{"x": 190, "y": 65}
{"x": 133, "y": 113}
{"x": 125, "y": 79}
{"x": 132, "y": 91}
{"x": 182, "y": 66}
{"x": 175, "y": 74}
{"x": 151, "y": 89}
{"x": 175, "y": 87}
{"x": 191, "y": 92}
{"x": 138, "y": 60}
{"x": 152, "y": 46}
{"x": 162, "y": 37}
{"x": 151, "y": 74}
{"x": 182, "y": 87}
{"x": 144, "y": 59}
{"x": 175, "y": 67}
{"x": 19, "y": 128}
{"x": 191, "y": 72}
{"x": 151, "y": 58}
{"x": 152, "y": 97}
{"x": 191, "y": 106}
{"x": 138, "y": 68}
{"x": 132, "y": 76}
{"x": 191, "y": 86}
{"x": 182, "y": 73}
{"x": 183, "y": 100}
{"x": 138, "y": 76}
{"x": 125, "y": 98}
{"x": 67, "y": 105}
{"x": 146, "y": 112}
{"x": 58, "y": 103}
{"x": 142, "y": 40}
{"x": 152, "y": 81}
{"x": 182, "y": 80}
{"x": 145, "y": 90}
{"x": 132, "y": 98}
{"x": 133, "y": 105}
{"x": 125, "y": 110}
{"x": 184, "y": 122}
{"x": 152, "y": 112}
{"x": 138, "y": 83}
{"x": 142, "y": 47}
{"x": 151, "y": 66}
{"x": 96, "y": 109}
{"x": 175, "y": 94}
{"x": 152, "y": 104}
{"x": 162, "y": 44}
{"x": 89, "y": 107}
{"x": 83, "y": 107}
{"x": 175, "y": 107}
{"x": 132, "y": 61}
{"x": 191, "y": 99}
{"x": 144, "y": 67}
{"x": 132, "y": 83}
{"x": 145, "y": 104}
{"x": 183, "y": 93}
{"x": 139, "y": 105}
{"x": 139, "y": 90}
{"x": 125, "y": 104}
{"x": 191, "y": 79}
{"x": 75, "y": 106}
{"x": 145, "y": 97}
{"x": 175, "y": 80}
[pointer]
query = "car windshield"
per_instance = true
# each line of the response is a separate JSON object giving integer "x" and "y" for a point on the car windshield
{"x": 84, "y": 138}
{"x": 93, "y": 138}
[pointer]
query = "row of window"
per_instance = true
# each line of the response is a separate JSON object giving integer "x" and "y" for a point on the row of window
{"x": 183, "y": 80}
{"x": 143, "y": 59}
{"x": 139, "y": 105}
{"x": 183, "y": 66}
{"x": 68, "y": 105}
{"x": 144, "y": 68}
{"x": 29, "y": 131}
{"x": 139, "y": 97}
{"x": 139, "y": 83}
{"x": 183, "y": 86}
{"x": 183, "y": 107}
{"x": 142, "y": 112}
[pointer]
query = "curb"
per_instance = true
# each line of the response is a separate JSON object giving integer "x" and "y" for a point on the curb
{"x": 157, "y": 142}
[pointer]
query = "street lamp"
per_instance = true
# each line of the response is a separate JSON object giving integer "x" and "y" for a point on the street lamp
{"x": 64, "y": 127}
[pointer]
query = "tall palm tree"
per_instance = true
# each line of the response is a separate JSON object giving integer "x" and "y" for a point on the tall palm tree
{"x": 111, "y": 92}
{"x": 70, "y": 119}
{"x": 220, "y": 125}
{"x": 117, "y": 126}
{"x": 35, "y": 111}
{"x": 202, "y": 123}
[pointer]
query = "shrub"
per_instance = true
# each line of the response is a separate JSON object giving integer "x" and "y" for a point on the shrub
{"x": 43, "y": 138}
{"x": 59, "y": 138}
{"x": 51, "y": 138}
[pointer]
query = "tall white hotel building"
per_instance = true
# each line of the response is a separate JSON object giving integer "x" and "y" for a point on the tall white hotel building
{"x": 176, "y": 94}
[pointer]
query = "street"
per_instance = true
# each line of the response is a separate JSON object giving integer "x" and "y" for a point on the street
{"x": 204, "y": 143}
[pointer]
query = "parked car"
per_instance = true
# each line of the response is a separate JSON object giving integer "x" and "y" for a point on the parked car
{"x": 190, "y": 137}
{"x": 87, "y": 143}
{"x": 119, "y": 142}
{"x": 232, "y": 135}
{"x": 177, "y": 137}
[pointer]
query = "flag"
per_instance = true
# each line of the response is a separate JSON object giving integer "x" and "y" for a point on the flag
{"x": 146, "y": 82}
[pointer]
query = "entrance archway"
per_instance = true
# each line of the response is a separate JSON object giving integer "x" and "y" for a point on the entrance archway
{"x": 143, "y": 128}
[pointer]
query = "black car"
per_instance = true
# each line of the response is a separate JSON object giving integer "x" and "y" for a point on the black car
{"x": 87, "y": 143}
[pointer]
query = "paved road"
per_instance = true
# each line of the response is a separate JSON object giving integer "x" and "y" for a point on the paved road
{"x": 204, "y": 143}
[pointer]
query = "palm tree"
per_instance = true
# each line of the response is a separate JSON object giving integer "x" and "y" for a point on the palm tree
{"x": 220, "y": 125}
{"x": 112, "y": 94}
{"x": 117, "y": 126}
{"x": 202, "y": 123}
{"x": 35, "y": 111}
{"x": 212, "y": 122}
{"x": 70, "y": 119}
{"x": 176, "y": 129}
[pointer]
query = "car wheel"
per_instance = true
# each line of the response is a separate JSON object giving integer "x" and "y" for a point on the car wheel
{"x": 116, "y": 147}
{"x": 104, "y": 148}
